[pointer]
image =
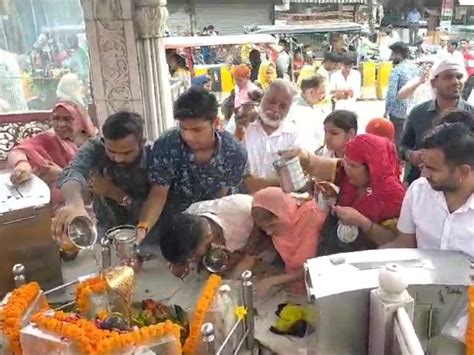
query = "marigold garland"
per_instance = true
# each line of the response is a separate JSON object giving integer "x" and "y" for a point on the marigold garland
{"x": 18, "y": 303}
{"x": 470, "y": 325}
{"x": 92, "y": 340}
{"x": 191, "y": 345}
{"x": 86, "y": 289}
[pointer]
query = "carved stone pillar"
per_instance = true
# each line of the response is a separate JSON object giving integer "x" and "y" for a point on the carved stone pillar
{"x": 150, "y": 18}
{"x": 114, "y": 57}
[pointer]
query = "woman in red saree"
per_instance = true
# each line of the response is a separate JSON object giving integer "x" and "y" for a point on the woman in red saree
{"x": 370, "y": 197}
{"x": 47, "y": 153}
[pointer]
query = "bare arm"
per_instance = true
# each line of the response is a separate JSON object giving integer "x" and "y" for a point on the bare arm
{"x": 14, "y": 157}
{"x": 402, "y": 241}
{"x": 246, "y": 263}
{"x": 153, "y": 207}
{"x": 319, "y": 167}
{"x": 72, "y": 193}
{"x": 408, "y": 89}
{"x": 254, "y": 183}
{"x": 284, "y": 279}
{"x": 378, "y": 233}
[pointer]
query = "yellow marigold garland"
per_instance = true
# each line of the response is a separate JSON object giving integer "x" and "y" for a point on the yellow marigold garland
{"x": 470, "y": 325}
{"x": 93, "y": 341}
{"x": 18, "y": 303}
{"x": 86, "y": 289}
{"x": 191, "y": 344}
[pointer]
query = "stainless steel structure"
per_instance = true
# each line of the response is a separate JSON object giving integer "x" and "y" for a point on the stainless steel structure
{"x": 339, "y": 287}
{"x": 207, "y": 329}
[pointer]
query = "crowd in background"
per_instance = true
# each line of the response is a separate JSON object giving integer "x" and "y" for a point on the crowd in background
{"x": 407, "y": 181}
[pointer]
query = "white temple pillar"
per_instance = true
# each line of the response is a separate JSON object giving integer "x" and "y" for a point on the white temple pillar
{"x": 128, "y": 60}
{"x": 150, "y": 20}
{"x": 113, "y": 56}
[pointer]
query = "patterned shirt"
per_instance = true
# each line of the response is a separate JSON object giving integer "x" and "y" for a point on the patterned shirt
{"x": 173, "y": 164}
{"x": 401, "y": 74}
{"x": 132, "y": 179}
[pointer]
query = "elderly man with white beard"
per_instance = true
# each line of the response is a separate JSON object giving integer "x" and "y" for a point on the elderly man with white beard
{"x": 270, "y": 134}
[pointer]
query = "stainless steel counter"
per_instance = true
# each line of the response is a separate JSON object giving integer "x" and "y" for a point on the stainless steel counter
{"x": 339, "y": 287}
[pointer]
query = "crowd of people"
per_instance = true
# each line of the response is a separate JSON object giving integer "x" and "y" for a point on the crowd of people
{"x": 52, "y": 69}
{"x": 211, "y": 182}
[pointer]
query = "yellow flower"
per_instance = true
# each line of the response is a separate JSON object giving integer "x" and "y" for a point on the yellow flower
{"x": 241, "y": 312}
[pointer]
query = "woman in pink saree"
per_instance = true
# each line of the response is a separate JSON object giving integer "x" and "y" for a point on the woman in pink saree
{"x": 294, "y": 228}
{"x": 47, "y": 153}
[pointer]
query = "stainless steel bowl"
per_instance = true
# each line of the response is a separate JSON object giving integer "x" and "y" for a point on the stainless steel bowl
{"x": 82, "y": 232}
{"x": 215, "y": 260}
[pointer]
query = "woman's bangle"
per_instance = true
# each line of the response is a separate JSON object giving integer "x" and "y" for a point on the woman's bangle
{"x": 21, "y": 161}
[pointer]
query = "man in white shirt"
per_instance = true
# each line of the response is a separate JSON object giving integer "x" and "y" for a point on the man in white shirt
{"x": 442, "y": 52}
{"x": 438, "y": 209}
{"x": 345, "y": 85}
{"x": 454, "y": 52}
{"x": 393, "y": 36}
{"x": 271, "y": 133}
{"x": 305, "y": 114}
{"x": 329, "y": 65}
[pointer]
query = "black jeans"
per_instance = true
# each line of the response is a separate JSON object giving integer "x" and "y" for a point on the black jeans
{"x": 399, "y": 124}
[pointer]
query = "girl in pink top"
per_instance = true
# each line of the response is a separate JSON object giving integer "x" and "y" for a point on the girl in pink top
{"x": 295, "y": 229}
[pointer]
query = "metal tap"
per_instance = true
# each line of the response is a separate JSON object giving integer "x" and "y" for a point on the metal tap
{"x": 208, "y": 338}
{"x": 106, "y": 253}
{"x": 247, "y": 296}
{"x": 19, "y": 274}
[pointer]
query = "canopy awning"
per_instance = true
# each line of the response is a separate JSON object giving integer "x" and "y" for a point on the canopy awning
{"x": 185, "y": 42}
{"x": 314, "y": 28}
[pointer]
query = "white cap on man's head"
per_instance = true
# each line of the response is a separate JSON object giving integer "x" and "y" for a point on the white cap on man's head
{"x": 448, "y": 64}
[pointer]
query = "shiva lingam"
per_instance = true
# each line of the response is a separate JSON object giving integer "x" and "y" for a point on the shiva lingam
{"x": 123, "y": 239}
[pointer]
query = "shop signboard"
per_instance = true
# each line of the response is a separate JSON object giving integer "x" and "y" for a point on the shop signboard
{"x": 447, "y": 10}
{"x": 446, "y": 15}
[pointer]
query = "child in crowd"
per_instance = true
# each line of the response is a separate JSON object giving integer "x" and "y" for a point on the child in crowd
{"x": 223, "y": 223}
{"x": 381, "y": 127}
{"x": 294, "y": 229}
{"x": 339, "y": 127}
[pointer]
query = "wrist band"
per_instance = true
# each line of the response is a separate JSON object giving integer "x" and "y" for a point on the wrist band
{"x": 143, "y": 226}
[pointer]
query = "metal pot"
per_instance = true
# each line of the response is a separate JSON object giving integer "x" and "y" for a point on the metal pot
{"x": 124, "y": 240}
{"x": 291, "y": 175}
{"x": 82, "y": 233}
{"x": 215, "y": 260}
